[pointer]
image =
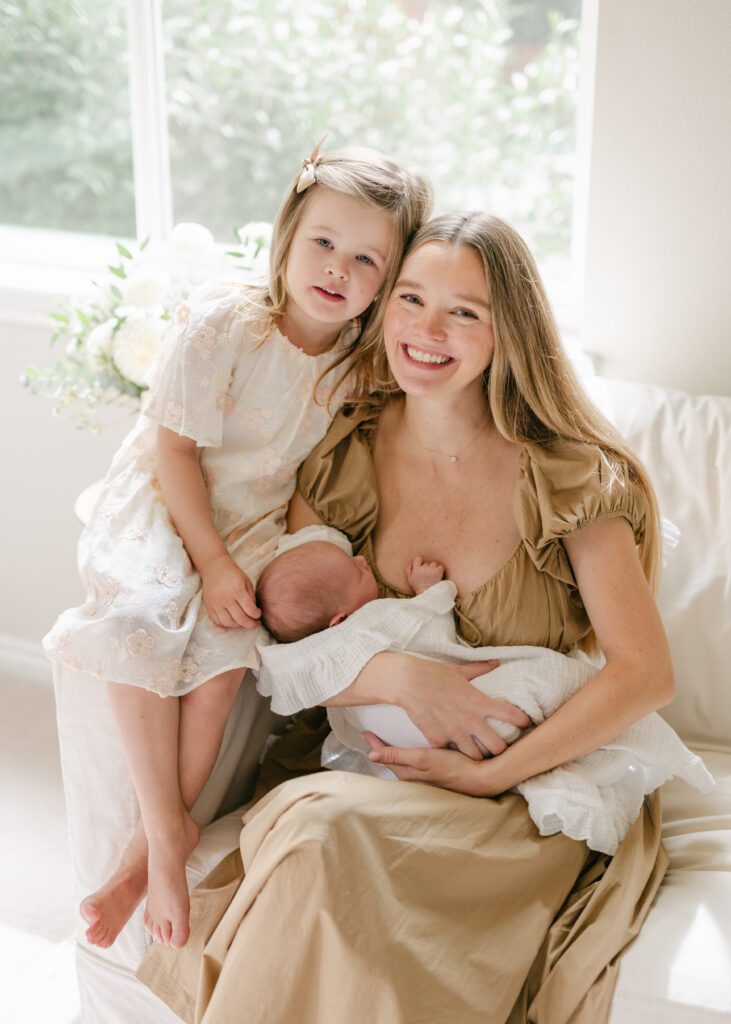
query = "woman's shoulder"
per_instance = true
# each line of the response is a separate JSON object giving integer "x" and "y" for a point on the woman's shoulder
{"x": 337, "y": 479}
{"x": 566, "y": 485}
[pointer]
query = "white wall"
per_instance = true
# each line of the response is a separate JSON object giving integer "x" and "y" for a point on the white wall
{"x": 657, "y": 289}
{"x": 44, "y": 464}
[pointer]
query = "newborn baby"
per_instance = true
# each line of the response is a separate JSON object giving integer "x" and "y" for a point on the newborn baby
{"x": 318, "y": 584}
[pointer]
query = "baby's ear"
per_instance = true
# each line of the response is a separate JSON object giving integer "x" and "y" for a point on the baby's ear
{"x": 340, "y": 617}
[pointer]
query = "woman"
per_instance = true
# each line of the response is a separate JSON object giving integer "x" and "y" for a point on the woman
{"x": 371, "y": 900}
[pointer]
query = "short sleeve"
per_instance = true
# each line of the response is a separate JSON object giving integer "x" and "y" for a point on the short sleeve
{"x": 337, "y": 479}
{"x": 562, "y": 490}
{"x": 190, "y": 381}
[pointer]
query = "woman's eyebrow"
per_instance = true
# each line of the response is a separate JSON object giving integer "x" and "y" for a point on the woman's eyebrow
{"x": 472, "y": 300}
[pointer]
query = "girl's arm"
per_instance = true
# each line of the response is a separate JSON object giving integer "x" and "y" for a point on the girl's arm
{"x": 228, "y": 595}
{"x": 637, "y": 677}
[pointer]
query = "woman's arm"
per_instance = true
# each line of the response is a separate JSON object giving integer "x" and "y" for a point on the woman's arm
{"x": 636, "y": 679}
{"x": 227, "y": 592}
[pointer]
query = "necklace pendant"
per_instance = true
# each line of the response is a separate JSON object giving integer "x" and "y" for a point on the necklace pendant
{"x": 453, "y": 458}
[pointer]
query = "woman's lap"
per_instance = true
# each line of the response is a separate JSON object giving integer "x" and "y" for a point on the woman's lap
{"x": 367, "y": 899}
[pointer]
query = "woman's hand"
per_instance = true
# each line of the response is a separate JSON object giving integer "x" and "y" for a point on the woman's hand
{"x": 228, "y": 595}
{"x": 440, "y": 701}
{"x": 447, "y": 769}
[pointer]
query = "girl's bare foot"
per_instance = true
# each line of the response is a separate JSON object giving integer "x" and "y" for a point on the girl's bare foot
{"x": 167, "y": 914}
{"x": 107, "y": 910}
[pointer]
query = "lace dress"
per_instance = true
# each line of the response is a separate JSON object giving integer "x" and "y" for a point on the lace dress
{"x": 250, "y": 406}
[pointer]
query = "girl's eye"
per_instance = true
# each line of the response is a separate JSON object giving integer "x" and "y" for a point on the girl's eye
{"x": 366, "y": 259}
{"x": 324, "y": 242}
{"x": 466, "y": 314}
{"x": 413, "y": 300}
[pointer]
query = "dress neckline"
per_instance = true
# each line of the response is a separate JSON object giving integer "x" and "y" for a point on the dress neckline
{"x": 462, "y": 599}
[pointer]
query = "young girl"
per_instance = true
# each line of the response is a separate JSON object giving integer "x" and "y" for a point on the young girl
{"x": 194, "y": 503}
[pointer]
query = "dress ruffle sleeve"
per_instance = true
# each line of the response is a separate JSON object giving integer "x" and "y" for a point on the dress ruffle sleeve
{"x": 566, "y": 488}
{"x": 189, "y": 382}
{"x": 337, "y": 479}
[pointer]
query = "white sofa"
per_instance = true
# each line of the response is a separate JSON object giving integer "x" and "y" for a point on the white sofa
{"x": 679, "y": 969}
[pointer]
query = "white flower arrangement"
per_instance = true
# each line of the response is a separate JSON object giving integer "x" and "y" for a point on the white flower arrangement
{"x": 113, "y": 334}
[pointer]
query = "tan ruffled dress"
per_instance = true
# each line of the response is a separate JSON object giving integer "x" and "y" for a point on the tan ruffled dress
{"x": 360, "y": 899}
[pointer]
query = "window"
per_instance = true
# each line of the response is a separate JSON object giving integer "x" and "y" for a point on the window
{"x": 480, "y": 95}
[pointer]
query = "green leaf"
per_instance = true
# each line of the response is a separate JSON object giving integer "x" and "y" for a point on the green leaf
{"x": 239, "y": 255}
{"x": 116, "y": 292}
{"x": 62, "y": 318}
{"x": 123, "y": 251}
{"x": 144, "y": 244}
{"x": 117, "y": 271}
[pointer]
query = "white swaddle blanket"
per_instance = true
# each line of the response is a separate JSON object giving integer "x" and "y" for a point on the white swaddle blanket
{"x": 594, "y": 798}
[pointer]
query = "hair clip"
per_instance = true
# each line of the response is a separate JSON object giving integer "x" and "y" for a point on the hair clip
{"x": 307, "y": 177}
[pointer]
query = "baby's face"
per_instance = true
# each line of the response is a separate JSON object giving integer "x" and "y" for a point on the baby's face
{"x": 350, "y": 578}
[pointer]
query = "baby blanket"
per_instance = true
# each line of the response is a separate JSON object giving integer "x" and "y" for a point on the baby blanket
{"x": 595, "y": 798}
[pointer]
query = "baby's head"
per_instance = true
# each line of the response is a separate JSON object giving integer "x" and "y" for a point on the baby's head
{"x": 311, "y": 587}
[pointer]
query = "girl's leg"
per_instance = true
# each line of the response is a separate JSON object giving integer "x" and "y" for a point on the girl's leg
{"x": 199, "y": 720}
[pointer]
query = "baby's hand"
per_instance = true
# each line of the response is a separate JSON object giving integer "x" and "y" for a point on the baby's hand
{"x": 228, "y": 595}
{"x": 422, "y": 575}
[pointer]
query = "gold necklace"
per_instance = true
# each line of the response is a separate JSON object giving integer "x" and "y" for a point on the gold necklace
{"x": 445, "y": 455}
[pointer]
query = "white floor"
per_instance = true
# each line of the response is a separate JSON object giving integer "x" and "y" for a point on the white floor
{"x": 37, "y": 902}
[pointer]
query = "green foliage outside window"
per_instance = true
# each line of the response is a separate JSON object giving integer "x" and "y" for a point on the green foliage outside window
{"x": 479, "y": 95}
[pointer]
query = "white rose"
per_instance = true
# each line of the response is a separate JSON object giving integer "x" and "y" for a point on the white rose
{"x": 192, "y": 242}
{"x": 258, "y": 233}
{"x": 146, "y": 286}
{"x": 136, "y": 344}
{"x": 99, "y": 345}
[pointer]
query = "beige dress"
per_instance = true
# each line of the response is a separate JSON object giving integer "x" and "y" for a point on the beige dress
{"x": 360, "y": 899}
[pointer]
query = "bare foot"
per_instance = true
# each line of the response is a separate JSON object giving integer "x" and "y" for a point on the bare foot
{"x": 107, "y": 910}
{"x": 167, "y": 914}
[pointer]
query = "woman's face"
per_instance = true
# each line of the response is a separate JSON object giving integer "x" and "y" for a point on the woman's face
{"x": 438, "y": 321}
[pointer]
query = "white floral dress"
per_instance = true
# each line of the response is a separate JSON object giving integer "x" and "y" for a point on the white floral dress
{"x": 250, "y": 406}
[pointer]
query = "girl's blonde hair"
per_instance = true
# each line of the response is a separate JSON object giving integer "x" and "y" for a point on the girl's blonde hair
{"x": 534, "y": 395}
{"x": 376, "y": 180}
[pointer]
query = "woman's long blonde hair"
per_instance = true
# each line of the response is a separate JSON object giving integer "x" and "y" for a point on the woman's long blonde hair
{"x": 534, "y": 395}
{"x": 377, "y": 181}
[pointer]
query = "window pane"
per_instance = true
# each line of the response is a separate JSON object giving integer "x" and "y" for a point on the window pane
{"x": 65, "y": 119}
{"x": 479, "y": 95}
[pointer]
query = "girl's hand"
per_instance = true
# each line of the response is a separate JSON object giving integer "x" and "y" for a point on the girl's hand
{"x": 228, "y": 595}
{"x": 447, "y": 769}
{"x": 439, "y": 700}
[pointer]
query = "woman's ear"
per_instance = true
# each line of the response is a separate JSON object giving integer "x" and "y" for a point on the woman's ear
{"x": 340, "y": 617}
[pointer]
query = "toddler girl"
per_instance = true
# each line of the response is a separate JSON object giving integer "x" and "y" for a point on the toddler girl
{"x": 194, "y": 502}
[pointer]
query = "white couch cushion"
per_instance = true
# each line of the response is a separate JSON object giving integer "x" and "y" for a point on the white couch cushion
{"x": 679, "y": 967}
{"x": 685, "y": 443}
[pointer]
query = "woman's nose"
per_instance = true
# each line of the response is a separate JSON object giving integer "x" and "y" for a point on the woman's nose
{"x": 433, "y": 327}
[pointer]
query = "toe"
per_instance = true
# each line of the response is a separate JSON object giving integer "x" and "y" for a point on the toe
{"x": 179, "y": 936}
{"x": 166, "y": 930}
{"x": 89, "y": 911}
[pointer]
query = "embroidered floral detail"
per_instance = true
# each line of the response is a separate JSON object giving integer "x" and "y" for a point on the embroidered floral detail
{"x": 188, "y": 670}
{"x": 203, "y": 339}
{"x": 224, "y": 403}
{"x": 165, "y": 576}
{"x": 140, "y": 643}
{"x": 173, "y": 415}
{"x": 267, "y": 461}
{"x": 182, "y": 313}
